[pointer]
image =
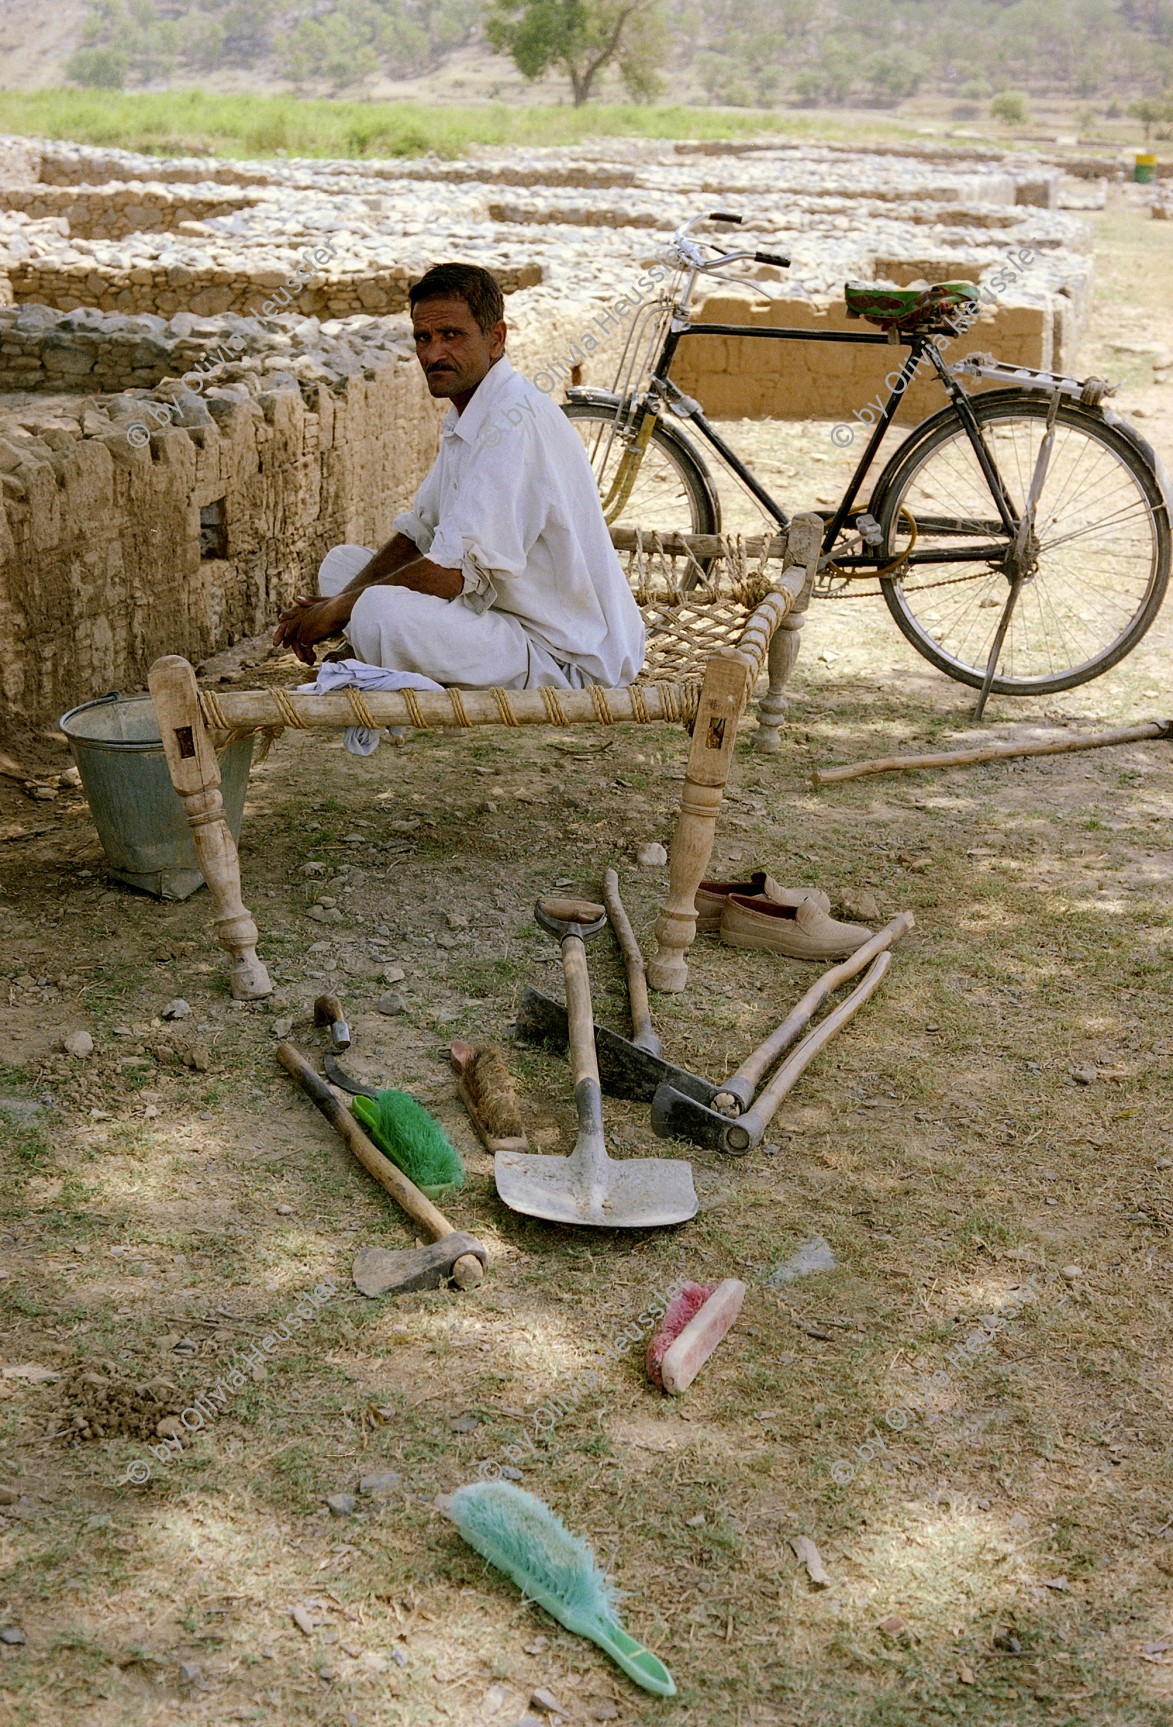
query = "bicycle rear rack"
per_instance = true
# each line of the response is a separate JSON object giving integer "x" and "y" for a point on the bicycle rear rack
{"x": 1089, "y": 392}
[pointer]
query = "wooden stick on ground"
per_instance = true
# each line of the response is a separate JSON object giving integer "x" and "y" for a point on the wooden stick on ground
{"x": 994, "y": 753}
{"x": 643, "y": 1033}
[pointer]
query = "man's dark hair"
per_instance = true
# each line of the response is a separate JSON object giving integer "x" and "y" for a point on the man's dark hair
{"x": 467, "y": 282}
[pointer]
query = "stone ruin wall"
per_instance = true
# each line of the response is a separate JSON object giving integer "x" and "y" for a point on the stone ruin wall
{"x": 122, "y": 274}
{"x": 176, "y": 288}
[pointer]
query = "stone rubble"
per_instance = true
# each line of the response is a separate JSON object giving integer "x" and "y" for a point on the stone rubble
{"x": 177, "y": 451}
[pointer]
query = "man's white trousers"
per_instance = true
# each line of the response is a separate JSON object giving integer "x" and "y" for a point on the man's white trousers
{"x": 442, "y": 639}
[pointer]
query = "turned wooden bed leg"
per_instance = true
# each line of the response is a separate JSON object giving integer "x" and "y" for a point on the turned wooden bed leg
{"x": 804, "y": 545}
{"x": 195, "y": 774}
{"x": 710, "y": 757}
{"x": 772, "y": 707}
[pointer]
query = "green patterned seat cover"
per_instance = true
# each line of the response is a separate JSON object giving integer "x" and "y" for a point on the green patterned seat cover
{"x": 906, "y": 308}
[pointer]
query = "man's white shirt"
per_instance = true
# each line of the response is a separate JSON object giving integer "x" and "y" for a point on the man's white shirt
{"x": 512, "y": 503}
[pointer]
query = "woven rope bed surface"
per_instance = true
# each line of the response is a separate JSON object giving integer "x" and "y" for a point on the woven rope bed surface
{"x": 698, "y": 594}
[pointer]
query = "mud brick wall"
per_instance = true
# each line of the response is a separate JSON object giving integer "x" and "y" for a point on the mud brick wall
{"x": 79, "y": 165}
{"x": 94, "y": 352}
{"x": 20, "y": 161}
{"x": 43, "y": 350}
{"x": 825, "y": 380}
{"x": 111, "y": 555}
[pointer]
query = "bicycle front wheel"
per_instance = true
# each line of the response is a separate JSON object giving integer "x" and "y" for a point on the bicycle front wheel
{"x": 1094, "y": 571}
{"x": 672, "y": 492}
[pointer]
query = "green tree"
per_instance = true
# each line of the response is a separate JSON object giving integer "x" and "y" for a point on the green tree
{"x": 98, "y": 68}
{"x": 346, "y": 46}
{"x": 830, "y": 80}
{"x": 893, "y": 75}
{"x": 201, "y": 41}
{"x": 451, "y": 23}
{"x": 749, "y": 45}
{"x": 581, "y": 37}
{"x": 1151, "y": 111}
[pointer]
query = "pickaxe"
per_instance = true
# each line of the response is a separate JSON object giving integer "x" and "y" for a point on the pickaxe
{"x": 684, "y": 1104}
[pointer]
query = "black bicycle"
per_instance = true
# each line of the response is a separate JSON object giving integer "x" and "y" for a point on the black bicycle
{"x": 1020, "y": 536}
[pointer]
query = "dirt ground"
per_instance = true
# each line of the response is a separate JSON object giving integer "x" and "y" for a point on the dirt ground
{"x": 991, "y": 1130}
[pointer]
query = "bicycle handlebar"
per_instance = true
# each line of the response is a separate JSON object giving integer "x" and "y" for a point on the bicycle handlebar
{"x": 690, "y": 253}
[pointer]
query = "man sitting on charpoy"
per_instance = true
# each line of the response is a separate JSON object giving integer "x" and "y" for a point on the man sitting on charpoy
{"x": 502, "y": 573}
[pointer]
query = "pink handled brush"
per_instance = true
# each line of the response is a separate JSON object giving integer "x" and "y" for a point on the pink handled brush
{"x": 694, "y": 1324}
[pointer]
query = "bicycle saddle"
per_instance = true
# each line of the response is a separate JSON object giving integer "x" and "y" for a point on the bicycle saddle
{"x": 906, "y": 308}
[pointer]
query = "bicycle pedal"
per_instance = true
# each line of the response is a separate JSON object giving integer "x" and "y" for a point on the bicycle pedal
{"x": 869, "y": 530}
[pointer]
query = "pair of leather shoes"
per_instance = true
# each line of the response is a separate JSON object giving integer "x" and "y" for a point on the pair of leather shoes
{"x": 761, "y": 914}
{"x": 712, "y": 897}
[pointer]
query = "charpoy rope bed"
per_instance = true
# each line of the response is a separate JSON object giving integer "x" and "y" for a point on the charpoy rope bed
{"x": 719, "y": 610}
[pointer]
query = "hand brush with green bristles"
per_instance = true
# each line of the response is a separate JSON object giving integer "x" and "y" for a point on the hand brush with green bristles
{"x": 412, "y": 1139}
{"x": 523, "y": 1538}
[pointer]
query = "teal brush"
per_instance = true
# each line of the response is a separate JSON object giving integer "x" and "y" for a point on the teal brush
{"x": 412, "y": 1139}
{"x": 524, "y": 1539}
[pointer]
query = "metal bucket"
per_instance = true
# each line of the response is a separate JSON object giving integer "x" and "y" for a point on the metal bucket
{"x": 138, "y": 815}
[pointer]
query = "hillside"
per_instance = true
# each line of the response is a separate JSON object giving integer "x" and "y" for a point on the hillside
{"x": 821, "y": 53}
{"x": 35, "y": 42}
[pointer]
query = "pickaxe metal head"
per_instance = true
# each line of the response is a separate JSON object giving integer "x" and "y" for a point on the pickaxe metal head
{"x": 680, "y": 1112}
{"x": 625, "y": 1070}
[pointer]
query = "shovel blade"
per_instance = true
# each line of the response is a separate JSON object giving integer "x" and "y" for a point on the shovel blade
{"x": 638, "y": 1193}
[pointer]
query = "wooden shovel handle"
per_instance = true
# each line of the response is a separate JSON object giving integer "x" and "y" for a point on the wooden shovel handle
{"x": 582, "y": 911}
{"x": 644, "y": 1034}
{"x": 579, "y": 1012}
{"x": 995, "y": 752}
{"x": 468, "y": 1270}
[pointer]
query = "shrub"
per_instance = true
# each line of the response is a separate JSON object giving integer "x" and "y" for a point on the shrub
{"x": 1010, "y": 105}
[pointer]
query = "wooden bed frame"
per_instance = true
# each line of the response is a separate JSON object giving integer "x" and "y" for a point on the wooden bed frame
{"x": 732, "y": 634}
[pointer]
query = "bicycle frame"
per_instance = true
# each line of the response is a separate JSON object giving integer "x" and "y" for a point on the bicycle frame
{"x": 920, "y": 346}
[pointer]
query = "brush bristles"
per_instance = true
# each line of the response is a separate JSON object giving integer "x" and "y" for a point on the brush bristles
{"x": 491, "y": 1093}
{"x": 411, "y": 1138}
{"x": 525, "y": 1539}
{"x": 683, "y": 1307}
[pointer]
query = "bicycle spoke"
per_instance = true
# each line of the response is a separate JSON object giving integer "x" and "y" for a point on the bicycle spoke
{"x": 1096, "y": 555}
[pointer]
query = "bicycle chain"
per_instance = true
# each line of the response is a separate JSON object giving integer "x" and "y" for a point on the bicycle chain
{"x": 853, "y": 588}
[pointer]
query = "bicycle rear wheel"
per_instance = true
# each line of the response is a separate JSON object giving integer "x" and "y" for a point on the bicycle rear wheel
{"x": 1096, "y": 569}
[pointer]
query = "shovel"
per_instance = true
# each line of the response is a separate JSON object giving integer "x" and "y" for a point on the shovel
{"x": 589, "y": 1187}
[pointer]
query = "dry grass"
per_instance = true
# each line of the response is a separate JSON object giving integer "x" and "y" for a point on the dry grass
{"x": 1016, "y": 1542}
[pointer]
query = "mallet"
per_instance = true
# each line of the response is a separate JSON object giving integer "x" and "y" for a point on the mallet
{"x": 378, "y": 1271}
{"x": 328, "y": 1011}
